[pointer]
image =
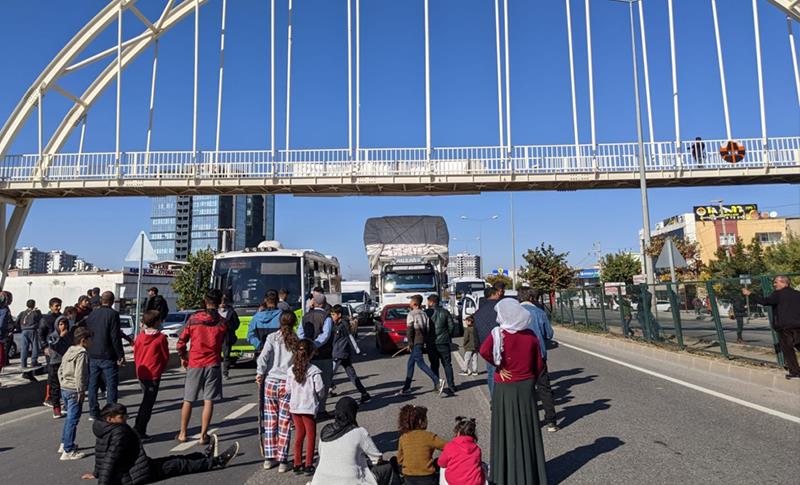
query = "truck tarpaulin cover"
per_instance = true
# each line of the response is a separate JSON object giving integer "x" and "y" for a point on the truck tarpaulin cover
{"x": 386, "y": 238}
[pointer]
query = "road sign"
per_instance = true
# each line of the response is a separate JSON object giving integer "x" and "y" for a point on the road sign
{"x": 638, "y": 279}
{"x": 744, "y": 279}
{"x": 612, "y": 289}
{"x": 142, "y": 249}
{"x": 500, "y": 271}
{"x": 670, "y": 258}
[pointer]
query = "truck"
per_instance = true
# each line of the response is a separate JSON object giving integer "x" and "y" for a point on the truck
{"x": 407, "y": 256}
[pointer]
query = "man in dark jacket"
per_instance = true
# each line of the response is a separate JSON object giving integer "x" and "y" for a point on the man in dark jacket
{"x": 28, "y": 321}
{"x": 95, "y": 300}
{"x": 156, "y": 302}
{"x": 785, "y": 303}
{"x": 344, "y": 345}
{"x": 485, "y": 321}
{"x": 105, "y": 352}
{"x": 48, "y": 322}
{"x": 439, "y": 341}
{"x": 228, "y": 313}
{"x": 120, "y": 459}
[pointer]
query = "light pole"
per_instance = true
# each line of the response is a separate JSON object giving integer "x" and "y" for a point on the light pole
{"x": 648, "y": 263}
{"x": 480, "y": 221}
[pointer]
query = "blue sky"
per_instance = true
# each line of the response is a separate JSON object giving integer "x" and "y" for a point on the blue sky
{"x": 463, "y": 108}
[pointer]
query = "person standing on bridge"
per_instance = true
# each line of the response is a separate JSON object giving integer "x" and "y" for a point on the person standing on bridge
{"x": 486, "y": 320}
{"x": 105, "y": 353}
{"x": 540, "y": 325}
{"x": 785, "y": 303}
{"x": 440, "y": 340}
{"x": 200, "y": 350}
{"x": 699, "y": 151}
{"x": 517, "y": 452}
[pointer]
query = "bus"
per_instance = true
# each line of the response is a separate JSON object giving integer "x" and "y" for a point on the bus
{"x": 246, "y": 276}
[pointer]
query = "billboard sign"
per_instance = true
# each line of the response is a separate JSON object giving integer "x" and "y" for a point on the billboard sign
{"x": 728, "y": 212}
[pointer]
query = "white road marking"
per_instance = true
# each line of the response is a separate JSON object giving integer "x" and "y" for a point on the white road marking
{"x": 735, "y": 400}
{"x": 192, "y": 441}
{"x": 27, "y": 415}
{"x": 239, "y": 412}
{"x": 463, "y": 364}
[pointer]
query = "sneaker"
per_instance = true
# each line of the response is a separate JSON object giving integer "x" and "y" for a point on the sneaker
{"x": 332, "y": 392}
{"x": 71, "y": 455}
{"x": 269, "y": 464}
{"x": 448, "y": 392}
{"x": 403, "y": 392}
{"x": 740, "y": 341}
{"x": 92, "y": 418}
{"x": 297, "y": 469}
{"x": 364, "y": 398}
{"x": 552, "y": 428}
{"x": 464, "y": 373}
{"x": 284, "y": 467}
{"x": 309, "y": 471}
{"x": 61, "y": 448}
{"x": 792, "y": 376}
{"x": 212, "y": 449}
{"x": 48, "y": 404}
{"x": 440, "y": 386}
{"x": 57, "y": 413}
{"x": 225, "y": 458}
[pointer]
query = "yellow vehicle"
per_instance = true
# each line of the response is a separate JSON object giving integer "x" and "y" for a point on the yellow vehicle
{"x": 246, "y": 276}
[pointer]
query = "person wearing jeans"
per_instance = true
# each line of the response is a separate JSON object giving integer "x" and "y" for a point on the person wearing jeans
{"x": 417, "y": 331}
{"x": 110, "y": 374}
{"x": 105, "y": 352}
{"x": 28, "y": 322}
{"x": 73, "y": 375}
{"x": 442, "y": 328}
{"x": 151, "y": 355}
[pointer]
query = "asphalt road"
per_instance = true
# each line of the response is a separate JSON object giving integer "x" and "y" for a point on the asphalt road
{"x": 618, "y": 426}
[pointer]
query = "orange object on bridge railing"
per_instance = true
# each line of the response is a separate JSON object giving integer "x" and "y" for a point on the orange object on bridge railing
{"x": 732, "y": 152}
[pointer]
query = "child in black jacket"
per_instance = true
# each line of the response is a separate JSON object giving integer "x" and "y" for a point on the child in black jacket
{"x": 343, "y": 347}
{"x": 121, "y": 459}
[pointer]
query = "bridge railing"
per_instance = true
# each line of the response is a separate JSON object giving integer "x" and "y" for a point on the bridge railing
{"x": 573, "y": 159}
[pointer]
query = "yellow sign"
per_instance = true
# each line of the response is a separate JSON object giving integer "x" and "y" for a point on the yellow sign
{"x": 731, "y": 212}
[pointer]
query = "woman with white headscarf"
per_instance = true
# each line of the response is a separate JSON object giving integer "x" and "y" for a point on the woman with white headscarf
{"x": 517, "y": 453}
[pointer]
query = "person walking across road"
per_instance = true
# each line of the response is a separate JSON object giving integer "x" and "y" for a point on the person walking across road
{"x": 200, "y": 351}
{"x": 485, "y": 321}
{"x": 272, "y": 369}
{"x": 74, "y": 378}
{"x": 468, "y": 344}
{"x": 440, "y": 341}
{"x": 540, "y": 325}
{"x": 151, "y": 356}
{"x": 105, "y": 353}
{"x": 343, "y": 348}
{"x": 785, "y": 303}
{"x": 305, "y": 387}
{"x": 28, "y": 321}
{"x": 517, "y": 452}
{"x": 156, "y": 302}
{"x": 228, "y": 313}
{"x": 317, "y": 326}
{"x": 417, "y": 329}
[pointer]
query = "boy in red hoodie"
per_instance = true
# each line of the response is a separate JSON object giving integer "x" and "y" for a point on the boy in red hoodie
{"x": 461, "y": 457}
{"x": 150, "y": 354}
{"x": 206, "y": 330}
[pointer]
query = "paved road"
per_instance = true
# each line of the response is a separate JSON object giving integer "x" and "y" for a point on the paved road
{"x": 618, "y": 426}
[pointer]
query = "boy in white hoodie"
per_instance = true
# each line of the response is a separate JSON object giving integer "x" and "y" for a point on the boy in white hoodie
{"x": 74, "y": 378}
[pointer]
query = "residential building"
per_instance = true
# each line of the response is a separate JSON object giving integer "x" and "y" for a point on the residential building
{"x": 30, "y": 259}
{"x": 59, "y": 261}
{"x": 181, "y": 225}
{"x": 464, "y": 265}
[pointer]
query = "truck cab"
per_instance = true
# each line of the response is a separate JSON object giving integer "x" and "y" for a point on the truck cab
{"x": 401, "y": 279}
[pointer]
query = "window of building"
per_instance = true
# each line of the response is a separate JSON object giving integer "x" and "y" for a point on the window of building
{"x": 768, "y": 237}
{"x": 726, "y": 239}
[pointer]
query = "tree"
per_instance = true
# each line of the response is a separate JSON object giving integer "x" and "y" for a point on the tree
{"x": 194, "y": 279}
{"x": 620, "y": 267}
{"x": 494, "y": 278}
{"x": 690, "y": 252}
{"x": 784, "y": 257}
{"x": 737, "y": 260}
{"x": 547, "y": 270}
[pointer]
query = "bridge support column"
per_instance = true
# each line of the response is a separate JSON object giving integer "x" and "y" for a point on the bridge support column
{"x": 9, "y": 234}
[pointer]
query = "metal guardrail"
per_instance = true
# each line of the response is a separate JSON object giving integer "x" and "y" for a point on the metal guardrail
{"x": 719, "y": 318}
{"x": 371, "y": 162}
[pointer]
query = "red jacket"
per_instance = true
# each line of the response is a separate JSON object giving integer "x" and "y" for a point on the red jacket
{"x": 206, "y": 330}
{"x": 150, "y": 354}
{"x": 462, "y": 459}
{"x": 521, "y": 356}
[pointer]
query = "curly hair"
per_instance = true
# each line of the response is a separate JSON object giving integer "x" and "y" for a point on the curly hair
{"x": 303, "y": 352}
{"x": 412, "y": 418}
{"x": 290, "y": 339}
{"x": 465, "y": 427}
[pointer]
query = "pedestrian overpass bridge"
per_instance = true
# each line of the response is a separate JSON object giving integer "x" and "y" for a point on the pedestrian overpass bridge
{"x": 394, "y": 171}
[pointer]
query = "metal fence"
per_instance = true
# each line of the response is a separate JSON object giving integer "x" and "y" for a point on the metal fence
{"x": 712, "y": 316}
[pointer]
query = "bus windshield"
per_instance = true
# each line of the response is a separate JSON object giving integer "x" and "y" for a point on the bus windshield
{"x": 246, "y": 279}
{"x": 401, "y": 282}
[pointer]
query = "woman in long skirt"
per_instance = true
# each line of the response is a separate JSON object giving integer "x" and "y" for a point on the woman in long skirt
{"x": 517, "y": 453}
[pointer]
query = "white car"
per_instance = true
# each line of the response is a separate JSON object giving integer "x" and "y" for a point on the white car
{"x": 173, "y": 325}
{"x": 126, "y": 325}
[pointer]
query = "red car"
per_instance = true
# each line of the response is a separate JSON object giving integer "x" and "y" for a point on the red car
{"x": 391, "y": 335}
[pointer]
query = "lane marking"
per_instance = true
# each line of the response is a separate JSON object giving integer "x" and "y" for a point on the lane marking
{"x": 194, "y": 440}
{"x": 25, "y": 416}
{"x": 735, "y": 400}
{"x": 463, "y": 364}
{"x": 239, "y": 412}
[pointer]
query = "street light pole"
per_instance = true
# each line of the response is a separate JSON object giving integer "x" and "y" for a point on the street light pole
{"x": 648, "y": 263}
{"x": 480, "y": 222}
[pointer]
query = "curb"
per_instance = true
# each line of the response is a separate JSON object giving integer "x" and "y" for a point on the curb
{"x": 771, "y": 378}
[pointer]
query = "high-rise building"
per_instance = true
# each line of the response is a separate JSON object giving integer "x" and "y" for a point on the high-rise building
{"x": 464, "y": 265}
{"x": 59, "y": 261}
{"x": 30, "y": 259}
{"x": 181, "y": 225}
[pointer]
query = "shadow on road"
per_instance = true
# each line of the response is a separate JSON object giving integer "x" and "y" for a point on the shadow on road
{"x": 561, "y": 467}
{"x": 571, "y": 414}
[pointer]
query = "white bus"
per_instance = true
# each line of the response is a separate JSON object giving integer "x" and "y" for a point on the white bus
{"x": 246, "y": 276}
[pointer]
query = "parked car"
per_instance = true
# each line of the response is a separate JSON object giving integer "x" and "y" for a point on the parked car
{"x": 391, "y": 329}
{"x": 173, "y": 325}
{"x": 364, "y": 314}
{"x": 126, "y": 325}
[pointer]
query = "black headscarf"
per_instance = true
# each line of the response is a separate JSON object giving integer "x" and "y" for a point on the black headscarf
{"x": 344, "y": 420}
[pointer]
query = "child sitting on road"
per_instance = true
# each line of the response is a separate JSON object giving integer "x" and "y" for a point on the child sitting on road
{"x": 151, "y": 355}
{"x": 416, "y": 447}
{"x": 119, "y": 456}
{"x": 305, "y": 387}
{"x": 461, "y": 457}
